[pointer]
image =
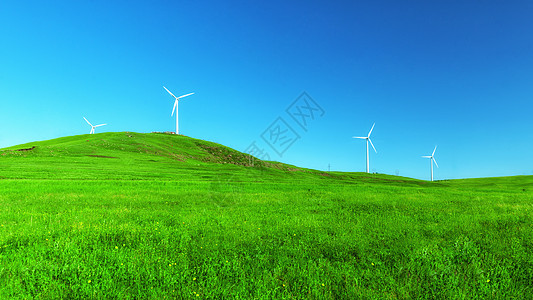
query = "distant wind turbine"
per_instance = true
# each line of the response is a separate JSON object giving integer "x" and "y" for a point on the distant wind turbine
{"x": 367, "y": 138}
{"x": 431, "y": 160}
{"x": 176, "y": 107}
{"x": 93, "y": 126}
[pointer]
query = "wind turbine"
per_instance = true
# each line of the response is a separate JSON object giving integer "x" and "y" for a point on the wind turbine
{"x": 367, "y": 138}
{"x": 176, "y": 107}
{"x": 93, "y": 126}
{"x": 431, "y": 160}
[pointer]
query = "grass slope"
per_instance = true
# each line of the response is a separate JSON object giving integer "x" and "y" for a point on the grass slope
{"x": 129, "y": 215}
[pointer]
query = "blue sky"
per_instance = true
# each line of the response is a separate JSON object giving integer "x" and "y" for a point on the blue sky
{"x": 457, "y": 74}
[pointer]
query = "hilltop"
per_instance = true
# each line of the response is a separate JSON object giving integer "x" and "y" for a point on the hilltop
{"x": 148, "y": 156}
{"x": 130, "y": 155}
{"x": 131, "y": 145}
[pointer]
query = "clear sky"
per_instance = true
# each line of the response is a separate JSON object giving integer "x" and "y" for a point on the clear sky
{"x": 457, "y": 74}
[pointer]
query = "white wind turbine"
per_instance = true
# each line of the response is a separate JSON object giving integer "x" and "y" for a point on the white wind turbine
{"x": 431, "y": 160}
{"x": 367, "y": 138}
{"x": 176, "y": 107}
{"x": 93, "y": 126}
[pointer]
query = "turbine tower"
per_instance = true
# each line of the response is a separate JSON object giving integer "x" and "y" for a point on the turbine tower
{"x": 176, "y": 107}
{"x": 367, "y": 138}
{"x": 93, "y": 126}
{"x": 431, "y": 160}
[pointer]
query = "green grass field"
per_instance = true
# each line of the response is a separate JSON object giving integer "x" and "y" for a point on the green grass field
{"x": 154, "y": 216}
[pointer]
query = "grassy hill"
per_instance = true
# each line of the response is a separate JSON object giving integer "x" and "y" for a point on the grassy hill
{"x": 130, "y": 215}
{"x": 128, "y": 155}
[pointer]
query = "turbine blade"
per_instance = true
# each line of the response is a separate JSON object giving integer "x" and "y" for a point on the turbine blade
{"x": 372, "y": 145}
{"x": 170, "y": 92}
{"x": 433, "y": 158}
{"x": 434, "y": 151}
{"x": 87, "y": 121}
{"x": 359, "y": 137}
{"x": 175, "y": 104}
{"x": 183, "y": 96}
{"x": 425, "y": 156}
{"x": 100, "y": 125}
{"x": 371, "y": 129}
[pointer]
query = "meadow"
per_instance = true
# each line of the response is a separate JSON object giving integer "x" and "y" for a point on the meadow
{"x": 154, "y": 216}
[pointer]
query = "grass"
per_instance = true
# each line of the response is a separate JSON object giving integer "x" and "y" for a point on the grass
{"x": 128, "y": 215}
